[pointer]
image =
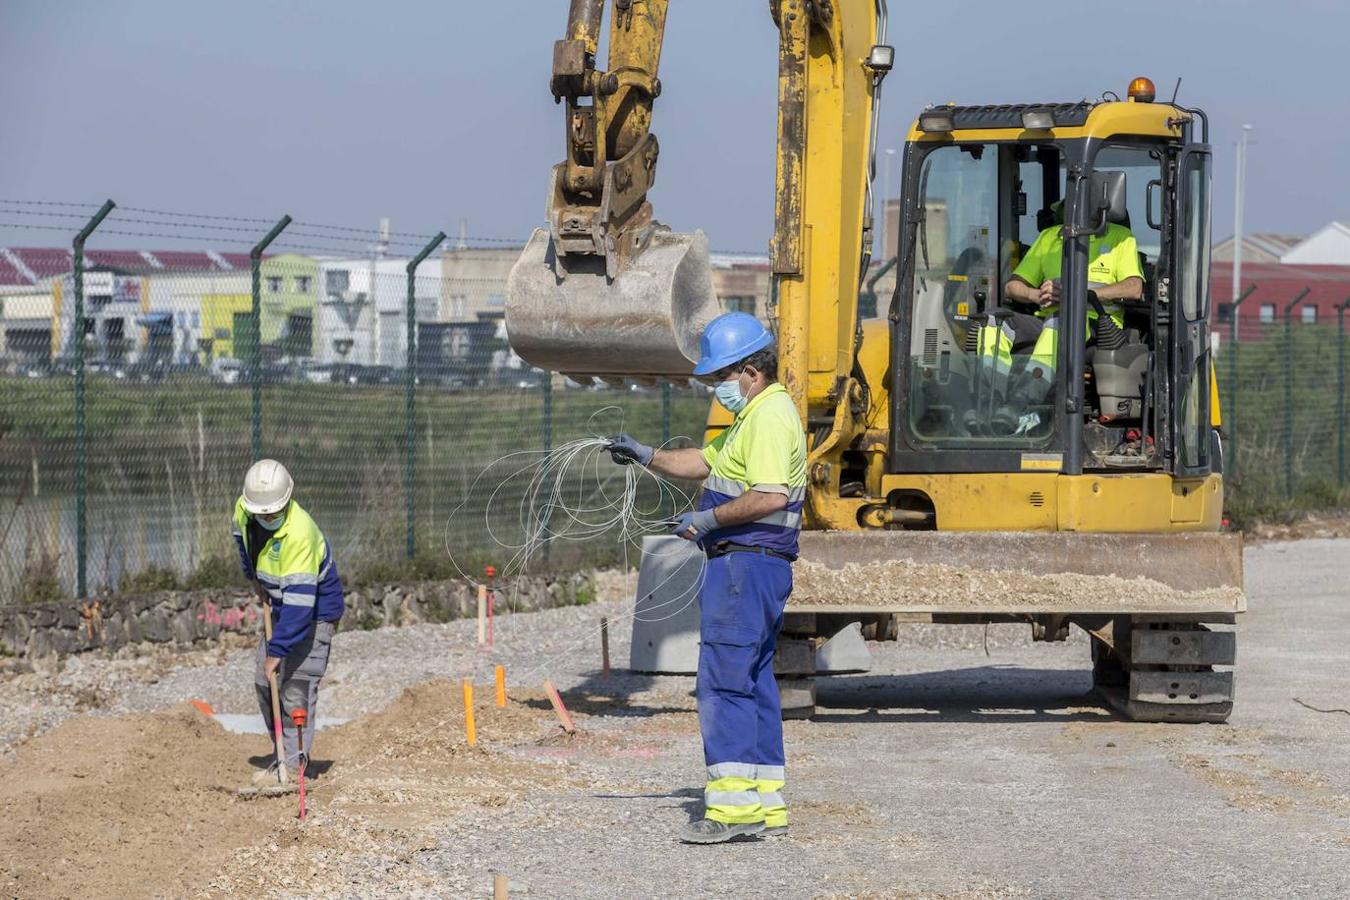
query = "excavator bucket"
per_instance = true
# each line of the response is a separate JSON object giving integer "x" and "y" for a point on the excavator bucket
{"x": 565, "y": 314}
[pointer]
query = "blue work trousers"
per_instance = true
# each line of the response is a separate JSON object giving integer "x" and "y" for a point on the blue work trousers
{"x": 738, "y": 708}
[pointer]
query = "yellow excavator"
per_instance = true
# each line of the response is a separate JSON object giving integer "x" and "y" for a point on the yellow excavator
{"x": 933, "y": 447}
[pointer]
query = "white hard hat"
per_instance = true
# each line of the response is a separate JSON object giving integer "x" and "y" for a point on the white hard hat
{"x": 267, "y": 487}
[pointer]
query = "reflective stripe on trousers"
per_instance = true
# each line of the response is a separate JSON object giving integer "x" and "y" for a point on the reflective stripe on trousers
{"x": 738, "y": 799}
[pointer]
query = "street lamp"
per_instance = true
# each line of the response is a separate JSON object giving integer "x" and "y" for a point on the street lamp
{"x": 1239, "y": 201}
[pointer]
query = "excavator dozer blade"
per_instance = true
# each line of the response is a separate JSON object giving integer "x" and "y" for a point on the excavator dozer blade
{"x": 1033, "y": 572}
{"x": 564, "y": 314}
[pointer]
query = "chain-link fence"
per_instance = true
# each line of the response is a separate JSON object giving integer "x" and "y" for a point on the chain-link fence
{"x": 123, "y": 440}
{"x": 136, "y": 387}
{"x": 1284, "y": 408}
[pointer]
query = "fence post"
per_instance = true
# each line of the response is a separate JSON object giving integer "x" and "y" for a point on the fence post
{"x": 255, "y": 364}
{"x": 1233, "y": 405}
{"x": 410, "y": 404}
{"x": 1340, "y": 391}
{"x": 1289, "y": 393}
{"x": 666, "y": 401}
{"x": 81, "y": 448}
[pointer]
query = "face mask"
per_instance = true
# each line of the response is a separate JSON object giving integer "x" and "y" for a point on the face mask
{"x": 272, "y": 525}
{"x": 729, "y": 394}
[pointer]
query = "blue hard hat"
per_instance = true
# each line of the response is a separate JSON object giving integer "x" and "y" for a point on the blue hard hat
{"x": 730, "y": 338}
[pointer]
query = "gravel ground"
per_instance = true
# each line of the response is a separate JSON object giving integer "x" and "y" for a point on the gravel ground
{"x": 944, "y": 772}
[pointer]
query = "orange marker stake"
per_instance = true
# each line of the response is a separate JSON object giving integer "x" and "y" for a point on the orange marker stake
{"x": 491, "y": 572}
{"x": 468, "y": 713}
{"x": 501, "y": 685}
{"x": 563, "y": 715}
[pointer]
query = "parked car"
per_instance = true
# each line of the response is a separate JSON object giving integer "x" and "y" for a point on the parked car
{"x": 226, "y": 371}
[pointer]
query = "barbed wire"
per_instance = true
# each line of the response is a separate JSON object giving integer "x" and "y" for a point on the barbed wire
{"x": 52, "y": 203}
{"x": 409, "y": 239}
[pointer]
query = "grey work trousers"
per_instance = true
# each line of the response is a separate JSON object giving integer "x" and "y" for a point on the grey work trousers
{"x": 298, "y": 678}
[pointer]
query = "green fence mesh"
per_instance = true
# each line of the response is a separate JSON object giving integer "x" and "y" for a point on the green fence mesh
{"x": 173, "y": 351}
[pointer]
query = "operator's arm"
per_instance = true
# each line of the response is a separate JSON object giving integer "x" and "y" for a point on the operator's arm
{"x": 1018, "y": 289}
{"x": 1127, "y": 276}
{"x": 680, "y": 462}
{"x": 1131, "y": 288}
{"x": 1029, "y": 283}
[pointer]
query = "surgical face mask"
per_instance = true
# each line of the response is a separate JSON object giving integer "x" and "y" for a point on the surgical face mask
{"x": 272, "y": 525}
{"x": 729, "y": 394}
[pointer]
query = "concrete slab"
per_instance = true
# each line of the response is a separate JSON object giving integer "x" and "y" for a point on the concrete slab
{"x": 252, "y": 723}
{"x": 665, "y": 620}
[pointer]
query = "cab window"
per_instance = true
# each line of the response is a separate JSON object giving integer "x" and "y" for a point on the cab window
{"x": 959, "y": 254}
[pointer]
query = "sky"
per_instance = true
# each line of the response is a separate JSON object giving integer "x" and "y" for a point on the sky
{"x": 437, "y": 112}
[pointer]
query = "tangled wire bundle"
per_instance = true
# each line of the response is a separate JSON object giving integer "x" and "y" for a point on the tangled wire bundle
{"x": 573, "y": 493}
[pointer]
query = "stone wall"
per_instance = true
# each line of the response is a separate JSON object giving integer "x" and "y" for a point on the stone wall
{"x": 186, "y": 617}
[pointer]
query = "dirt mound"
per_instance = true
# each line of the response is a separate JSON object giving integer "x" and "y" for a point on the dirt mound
{"x": 427, "y": 722}
{"x": 121, "y": 806}
{"x": 144, "y": 805}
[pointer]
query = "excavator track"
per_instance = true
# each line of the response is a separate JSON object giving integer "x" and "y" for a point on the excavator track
{"x": 1166, "y": 670}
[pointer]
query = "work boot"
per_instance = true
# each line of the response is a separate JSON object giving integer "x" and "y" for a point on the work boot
{"x": 774, "y": 831}
{"x": 710, "y": 831}
{"x": 975, "y": 423}
{"x": 1004, "y": 421}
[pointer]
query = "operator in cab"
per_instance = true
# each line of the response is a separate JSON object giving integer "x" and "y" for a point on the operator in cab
{"x": 747, "y": 520}
{"x": 1114, "y": 274}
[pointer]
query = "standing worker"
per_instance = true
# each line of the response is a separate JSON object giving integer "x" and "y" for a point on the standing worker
{"x": 285, "y": 556}
{"x": 747, "y": 519}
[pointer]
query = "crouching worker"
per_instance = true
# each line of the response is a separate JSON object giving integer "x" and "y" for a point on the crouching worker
{"x": 285, "y": 556}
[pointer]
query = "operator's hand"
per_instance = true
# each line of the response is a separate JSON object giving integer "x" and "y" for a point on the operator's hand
{"x": 1049, "y": 293}
{"x": 260, "y": 592}
{"x": 270, "y": 666}
{"x": 694, "y": 525}
{"x": 625, "y": 449}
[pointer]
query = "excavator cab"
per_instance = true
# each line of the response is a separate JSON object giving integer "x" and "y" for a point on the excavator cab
{"x": 986, "y": 382}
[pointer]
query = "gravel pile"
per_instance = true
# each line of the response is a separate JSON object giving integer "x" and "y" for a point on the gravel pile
{"x": 901, "y": 583}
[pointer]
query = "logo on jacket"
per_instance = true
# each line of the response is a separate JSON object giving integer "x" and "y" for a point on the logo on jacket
{"x": 274, "y": 552}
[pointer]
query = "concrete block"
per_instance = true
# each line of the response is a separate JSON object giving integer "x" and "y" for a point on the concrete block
{"x": 665, "y": 624}
{"x": 846, "y": 652}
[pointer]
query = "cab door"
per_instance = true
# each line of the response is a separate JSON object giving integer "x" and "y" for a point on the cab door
{"x": 1190, "y": 356}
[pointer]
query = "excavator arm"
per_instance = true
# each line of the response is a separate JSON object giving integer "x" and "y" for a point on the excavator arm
{"x": 598, "y": 204}
{"x": 607, "y": 291}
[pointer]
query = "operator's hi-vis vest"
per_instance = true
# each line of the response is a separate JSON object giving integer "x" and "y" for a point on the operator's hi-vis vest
{"x": 296, "y": 568}
{"x": 764, "y": 449}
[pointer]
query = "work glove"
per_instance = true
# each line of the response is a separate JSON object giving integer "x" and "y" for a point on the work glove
{"x": 625, "y": 449}
{"x": 693, "y": 526}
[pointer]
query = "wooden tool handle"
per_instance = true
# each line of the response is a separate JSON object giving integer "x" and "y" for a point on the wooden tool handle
{"x": 276, "y": 696}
